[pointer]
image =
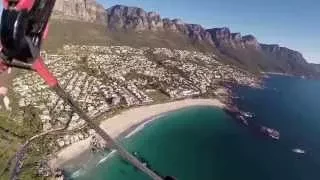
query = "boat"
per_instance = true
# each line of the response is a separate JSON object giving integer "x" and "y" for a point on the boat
{"x": 299, "y": 151}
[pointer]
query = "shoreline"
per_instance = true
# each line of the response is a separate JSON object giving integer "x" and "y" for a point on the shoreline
{"x": 126, "y": 123}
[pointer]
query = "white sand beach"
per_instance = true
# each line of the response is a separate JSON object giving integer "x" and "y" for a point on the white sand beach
{"x": 126, "y": 120}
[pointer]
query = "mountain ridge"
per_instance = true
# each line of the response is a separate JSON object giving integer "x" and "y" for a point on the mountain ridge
{"x": 244, "y": 51}
{"x": 83, "y": 10}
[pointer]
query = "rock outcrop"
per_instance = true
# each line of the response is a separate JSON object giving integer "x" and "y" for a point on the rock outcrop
{"x": 83, "y": 10}
{"x": 292, "y": 61}
{"x": 123, "y": 17}
{"x": 251, "y": 41}
{"x": 224, "y": 38}
{"x": 136, "y": 19}
{"x": 284, "y": 53}
{"x": 198, "y": 33}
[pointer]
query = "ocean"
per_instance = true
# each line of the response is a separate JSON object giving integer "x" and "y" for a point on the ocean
{"x": 204, "y": 143}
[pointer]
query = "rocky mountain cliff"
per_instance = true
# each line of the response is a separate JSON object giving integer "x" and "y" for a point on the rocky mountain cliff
{"x": 244, "y": 51}
{"x": 136, "y": 19}
{"x": 283, "y": 52}
{"x": 135, "y": 26}
{"x": 84, "y": 10}
{"x": 224, "y": 38}
{"x": 292, "y": 60}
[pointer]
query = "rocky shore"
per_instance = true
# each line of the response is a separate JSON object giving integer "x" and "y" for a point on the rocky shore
{"x": 246, "y": 119}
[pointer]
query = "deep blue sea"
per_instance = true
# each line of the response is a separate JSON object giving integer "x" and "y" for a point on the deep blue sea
{"x": 204, "y": 143}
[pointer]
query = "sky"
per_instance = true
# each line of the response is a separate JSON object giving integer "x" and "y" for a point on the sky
{"x": 291, "y": 23}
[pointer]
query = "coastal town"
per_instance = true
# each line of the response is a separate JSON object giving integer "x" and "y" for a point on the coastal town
{"x": 125, "y": 71}
{"x": 105, "y": 78}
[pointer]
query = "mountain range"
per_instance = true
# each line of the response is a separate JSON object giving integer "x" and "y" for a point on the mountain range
{"x": 87, "y": 22}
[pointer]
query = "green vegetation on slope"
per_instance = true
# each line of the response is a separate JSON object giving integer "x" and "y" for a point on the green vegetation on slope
{"x": 83, "y": 33}
{"x": 13, "y": 134}
{"x": 256, "y": 61}
{"x": 74, "y": 32}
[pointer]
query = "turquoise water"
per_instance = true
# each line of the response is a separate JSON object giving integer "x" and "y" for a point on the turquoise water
{"x": 204, "y": 143}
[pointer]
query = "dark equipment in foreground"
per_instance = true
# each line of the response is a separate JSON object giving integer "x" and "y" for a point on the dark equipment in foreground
{"x": 23, "y": 28}
{"x": 169, "y": 178}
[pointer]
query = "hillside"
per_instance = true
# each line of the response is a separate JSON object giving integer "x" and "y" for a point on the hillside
{"x": 104, "y": 80}
{"x": 141, "y": 58}
{"x": 133, "y": 26}
{"x": 85, "y": 33}
{"x": 121, "y": 57}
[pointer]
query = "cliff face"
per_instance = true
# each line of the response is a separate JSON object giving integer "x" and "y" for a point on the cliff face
{"x": 283, "y": 53}
{"x": 136, "y": 19}
{"x": 83, "y": 10}
{"x": 224, "y": 38}
{"x": 132, "y": 18}
{"x": 293, "y": 61}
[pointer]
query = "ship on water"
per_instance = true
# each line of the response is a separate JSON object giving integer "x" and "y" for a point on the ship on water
{"x": 299, "y": 151}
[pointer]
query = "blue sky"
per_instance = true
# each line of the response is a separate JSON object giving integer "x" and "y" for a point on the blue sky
{"x": 291, "y": 23}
